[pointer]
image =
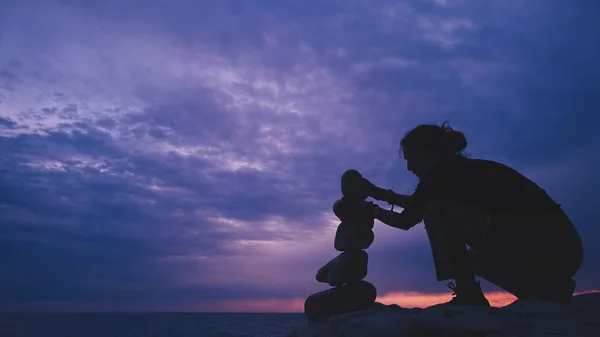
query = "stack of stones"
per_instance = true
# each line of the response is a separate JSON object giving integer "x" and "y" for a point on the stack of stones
{"x": 346, "y": 272}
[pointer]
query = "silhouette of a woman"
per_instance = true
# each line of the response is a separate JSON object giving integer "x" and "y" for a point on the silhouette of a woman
{"x": 518, "y": 237}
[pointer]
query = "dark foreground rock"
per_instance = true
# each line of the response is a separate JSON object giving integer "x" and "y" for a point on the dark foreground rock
{"x": 353, "y": 236}
{"x": 354, "y": 185}
{"x": 346, "y": 210}
{"x": 347, "y": 298}
{"x": 530, "y": 318}
{"x": 348, "y": 267}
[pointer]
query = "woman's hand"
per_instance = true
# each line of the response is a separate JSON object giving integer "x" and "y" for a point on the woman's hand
{"x": 381, "y": 194}
{"x": 367, "y": 209}
{"x": 389, "y": 196}
{"x": 404, "y": 220}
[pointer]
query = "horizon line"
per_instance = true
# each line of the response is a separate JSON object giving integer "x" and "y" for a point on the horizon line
{"x": 256, "y": 306}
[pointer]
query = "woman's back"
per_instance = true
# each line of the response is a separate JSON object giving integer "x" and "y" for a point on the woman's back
{"x": 519, "y": 238}
{"x": 487, "y": 184}
{"x": 530, "y": 216}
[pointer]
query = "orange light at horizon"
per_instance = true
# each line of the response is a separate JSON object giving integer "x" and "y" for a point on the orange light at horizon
{"x": 403, "y": 299}
{"x": 421, "y": 300}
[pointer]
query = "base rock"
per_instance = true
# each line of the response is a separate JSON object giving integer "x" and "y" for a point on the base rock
{"x": 340, "y": 300}
{"x": 531, "y": 318}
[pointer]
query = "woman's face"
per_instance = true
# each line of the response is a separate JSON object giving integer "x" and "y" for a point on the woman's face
{"x": 418, "y": 162}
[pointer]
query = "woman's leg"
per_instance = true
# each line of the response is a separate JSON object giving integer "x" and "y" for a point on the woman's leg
{"x": 524, "y": 278}
{"x": 449, "y": 250}
{"x": 539, "y": 257}
{"x": 529, "y": 256}
{"x": 448, "y": 246}
{"x": 450, "y": 227}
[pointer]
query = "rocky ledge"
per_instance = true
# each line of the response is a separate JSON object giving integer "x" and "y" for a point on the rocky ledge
{"x": 530, "y": 318}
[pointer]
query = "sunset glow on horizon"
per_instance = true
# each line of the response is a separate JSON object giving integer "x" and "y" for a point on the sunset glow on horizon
{"x": 403, "y": 299}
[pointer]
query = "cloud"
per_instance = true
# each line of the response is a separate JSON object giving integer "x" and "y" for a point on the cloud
{"x": 163, "y": 151}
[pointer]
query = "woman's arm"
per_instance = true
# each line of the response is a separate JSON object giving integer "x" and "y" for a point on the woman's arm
{"x": 405, "y": 220}
{"x": 401, "y": 200}
{"x": 390, "y": 197}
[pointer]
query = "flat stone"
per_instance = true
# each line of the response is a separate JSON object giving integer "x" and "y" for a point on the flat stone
{"x": 323, "y": 272}
{"x": 348, "y": 267}
{"x": 341, "y": 209}
{"x": 340, "y": 300}
{"x": 351, "y": 267}
{"x": 351, "y": 236}
{"x": 345, "y": 210}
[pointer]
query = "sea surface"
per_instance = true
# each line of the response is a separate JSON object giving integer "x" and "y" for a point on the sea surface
{"x": 148, "y": 324}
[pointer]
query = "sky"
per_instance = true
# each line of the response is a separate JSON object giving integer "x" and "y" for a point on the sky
{"x": 184, "y": 155}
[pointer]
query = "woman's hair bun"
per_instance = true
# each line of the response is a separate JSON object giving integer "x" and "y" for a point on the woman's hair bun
{"x": 435, "y": 138}
{"x": 456, "y": 141}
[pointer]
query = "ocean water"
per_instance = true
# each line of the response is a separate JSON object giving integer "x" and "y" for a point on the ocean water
{"x": 149, "y": 324}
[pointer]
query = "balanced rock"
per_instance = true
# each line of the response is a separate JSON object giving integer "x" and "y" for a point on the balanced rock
{"x": 346, "y": 210}
{"x": 351, "y": 236}
{"x": 340, "y": 300}
{"x": 348, "y": 267}
{"x": 342, "y": 210}
{"x": 354, "y": 185}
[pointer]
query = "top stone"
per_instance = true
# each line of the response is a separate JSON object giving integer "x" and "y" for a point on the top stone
{"x": 354, "y": 186}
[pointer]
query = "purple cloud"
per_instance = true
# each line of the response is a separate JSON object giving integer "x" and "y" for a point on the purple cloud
{"x": 162, "y": 151}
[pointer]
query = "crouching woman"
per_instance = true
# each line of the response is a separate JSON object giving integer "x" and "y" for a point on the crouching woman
{"x": 517, "y": 236}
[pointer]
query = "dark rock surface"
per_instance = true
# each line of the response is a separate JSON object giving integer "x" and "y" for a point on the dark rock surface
{"x": 354, "y": 186}
{"x": 347, "y": 211}
{"x": 351, "y": 236}
{"x": 347, "y": 298}
{"x": 530, "y": 318}
{"x": 348, "y": 267}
